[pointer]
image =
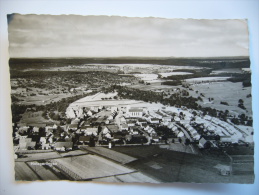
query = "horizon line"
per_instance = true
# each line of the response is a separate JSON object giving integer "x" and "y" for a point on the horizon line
{"x": 99, "y": 57}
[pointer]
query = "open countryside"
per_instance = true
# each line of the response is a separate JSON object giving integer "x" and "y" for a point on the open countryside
{"x": 133, "y": 120}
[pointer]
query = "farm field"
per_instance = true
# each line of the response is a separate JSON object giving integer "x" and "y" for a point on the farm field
{"x": 34, "y": 118}
{"x": 45, "y": 172}
{"x": 153, "y": 86}
{"x": 104, "y": 103}
{"x": 171, "y": 166}
{"x": 136, "y": 177}
{"x": 72, "y": 153}
{"x": 224, "y": 91}
{"x": 38, "y": 156}
{"x": 116, "y": 156}
{"x": 43, "y": 99}
{"x": 91, "y": 166}
{"x": 96, "y": 100}
{"x": 23, "y": 172}
{"x": 178, "y": 147}
{"x": 229, "y": 70}
{"x": 206, "y": 79}
{"x": 166, "y": 74}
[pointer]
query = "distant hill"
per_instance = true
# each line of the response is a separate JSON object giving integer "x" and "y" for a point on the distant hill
{"x": 212, "y": 62}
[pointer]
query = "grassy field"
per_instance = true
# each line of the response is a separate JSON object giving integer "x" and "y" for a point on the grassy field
{"x": 171, "y": 166}
{"x": 45, "y": 172}
{"x": 23, "y": 172}
{"x": 130, "y": 178}
{"x": 33, "y": 118}
{"x": 224, "y": 91}
{"x": 91, "y": 166}
{"x": 116, "y": 156}
{"x": 38, "y": 156}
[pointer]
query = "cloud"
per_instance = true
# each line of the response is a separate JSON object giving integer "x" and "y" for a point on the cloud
{"x": 112, "y": 36}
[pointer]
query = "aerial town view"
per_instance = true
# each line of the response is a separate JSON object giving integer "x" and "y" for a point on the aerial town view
{"x": 154, "y": 119}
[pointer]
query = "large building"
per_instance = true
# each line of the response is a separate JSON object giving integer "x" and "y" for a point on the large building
{"x": 135, "y": 112}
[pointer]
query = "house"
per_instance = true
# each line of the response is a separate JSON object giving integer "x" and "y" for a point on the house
{"x": 128, "y": 137}
{"x": 91, "y": 131}
{"x": 131, "y": 123}
{"x": 135, "y": 112}
{"x": 155, "y": 138}
{"x": 23, "y": 129}
{"x": 113, "y": 115}
{"x": 94, "y": 108}
{"x": 22, "y": 138}
{"x": 203, "y": 143}
{"x": 180, "y": 134}
{"x": 43, "y": 140}
{"x": 68, "y": 139}
{"x": 70, "y": 113}
{"x": 75, "y": 121}
{"x": 100, "y": 120}
{"x": 176, "y": 119}
{"x": 154, "y": 120}
{"x": 113, "y": 128}
{"x": 124, "y": 127}
{"x": 26, "y": 143}
{"x": 117, "y": 137}
{"x": 150, "y": 130}
{"x": 84, "y": 139}
{"x": 63, "y": 146}
{"x": 140, "y": 121}
{"x": 45, "y": 146}
{"x": 72, "y": 126}
{"x": 226, "y": 139}
{"x": 90, "y": 113}
{"x": 123, "y": 120}
{"x": 105, "y": 130}
{"x": 114, "y": 109}
{"x": 35, "y": 130}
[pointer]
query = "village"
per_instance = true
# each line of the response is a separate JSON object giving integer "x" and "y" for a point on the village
{"x": 147, "y": 124}
{"x": 131, "y": 116}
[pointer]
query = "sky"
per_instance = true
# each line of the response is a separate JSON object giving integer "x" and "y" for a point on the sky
{"x": 33, "y": 36}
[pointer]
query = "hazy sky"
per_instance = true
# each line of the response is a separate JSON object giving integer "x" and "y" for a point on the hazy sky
{"x": 104, "y": 36}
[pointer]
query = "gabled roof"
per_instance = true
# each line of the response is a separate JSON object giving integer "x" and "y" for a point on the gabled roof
{"x": 72, "y": 126}
{"x": 113, "y": 127}
{"x": 91, "y": 129}
{"x": 84, "y": 138}
{"x": 26, "y": 140}
{"x": 135, "y": 110}
{"x": 202, "y": 141}
{"x": 124, "y": 126}
{"x": 63, "y": 144}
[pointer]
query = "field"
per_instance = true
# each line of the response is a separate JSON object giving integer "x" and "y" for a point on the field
{"x": 131, "y": 177}
{"x": 170, "y": 166}
{"x": 23, "y": 172}
{"x": 38, "y": 156}
{"x": 166, "y": 74}
{"x": 116, "y": 156}
{"x": 45, "y": 172}
{"x": 224, "y": 91}
{"x": 33, "y": 118}
{"x": 206, "y": 79}
{"x": 154, "y": 86}
{"x": 91, "y": 166}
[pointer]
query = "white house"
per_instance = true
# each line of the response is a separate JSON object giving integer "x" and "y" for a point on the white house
{"x": 135, "y": 112}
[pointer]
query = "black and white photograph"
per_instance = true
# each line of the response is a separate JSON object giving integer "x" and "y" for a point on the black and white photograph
{"x": 115, "y": 99}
